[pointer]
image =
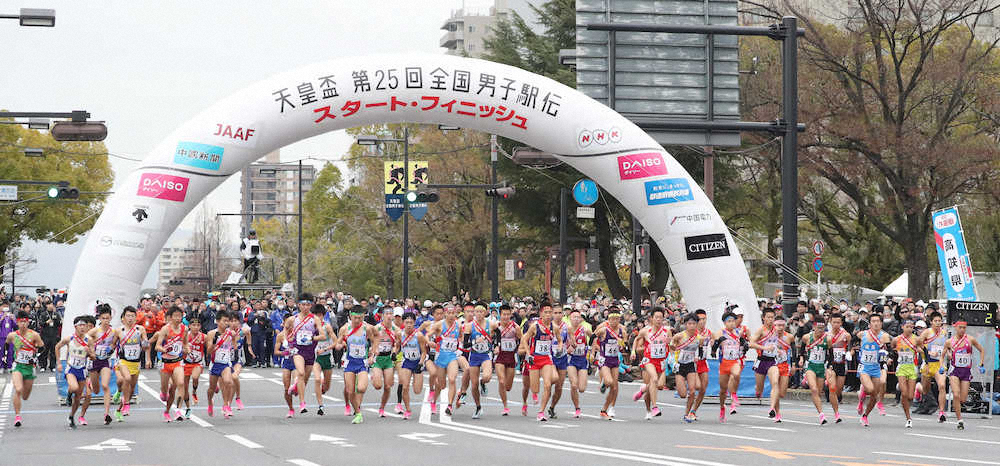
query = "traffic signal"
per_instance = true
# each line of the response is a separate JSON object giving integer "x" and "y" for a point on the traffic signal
{"x": 63, "y": 192}
{"x": 422, "y": 196}
{"x": 79, "y": 131}
{"x": 504, "y": 192}
{"x": 519, "y": 271}
{"x": 176, "y": 282}
{"x": 643, "y": 253}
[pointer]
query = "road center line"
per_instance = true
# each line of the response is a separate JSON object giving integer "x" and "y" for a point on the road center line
{"x": 244, "y": 441}
{"x": 957, "y": 439}
{"x": 719, "y": 434}
{"x": 302, "y": 462}
{"x": 912, "y": 455}
{"x": 156, "y": 396}
{"x": 786, "y": 420}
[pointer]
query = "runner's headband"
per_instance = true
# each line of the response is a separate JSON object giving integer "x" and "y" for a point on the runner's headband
{"x": 961, "y": 322}
{"x": 357, "y": 312}
{"x": 779, "y": 321}
{"x": 615, "y": 314}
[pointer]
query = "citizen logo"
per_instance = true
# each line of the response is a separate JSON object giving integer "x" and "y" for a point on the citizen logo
{"x": 706, "y": 246}
{"x": 967, "y": 306}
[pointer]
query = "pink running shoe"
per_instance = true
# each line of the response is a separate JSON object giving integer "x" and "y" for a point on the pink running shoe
{"x": 736, "y": 400}
{"x": 239, "y": 404}
{"x": 211, "y": 411}
{"x": 227, "y": 411}
{"x": 293, "y": 389}
{"x": 722, "y": 414}
{"x": 302, "y": 406}
{"x": 541, "y": 416}
{"x": 534, "y": 398}
{"x": 881, "y": 409}
{"x": 576, "y": 413}
{"x": 291, "y": 413}
{"x": 864, "y": 421}
{"x": 777, "y": 418}
{"x": 656, "y": 411}
{"x": 17, "y": 421}
{"x": 126, "y": 409}
{"x": 524, "y": 410}
{"x": 81, "y": 421}
{"x": 166, "y": 417}
{"x": 822, "y": 419}
{"x": 399, "y": 408}
{"x": 347, "y": 410}
{"x": 434, "y": 408}
{"x": 506, "y": 412}
{"x": 178, "y": 415}
{"x": 381, "y": 412}
{"x": 406, "y": 415}
{"x": 163, "y": 397}
{"x": 638, "y": 395}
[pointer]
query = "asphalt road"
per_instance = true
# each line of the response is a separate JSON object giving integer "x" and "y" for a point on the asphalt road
{"x": 260, "y": 434}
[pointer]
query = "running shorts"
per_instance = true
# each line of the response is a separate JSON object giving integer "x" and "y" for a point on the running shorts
{"x": 873, "y": 370}
{"x": 726, "y": 365}
{"x": 101, "y": 364}
{"x": 784, "y": 370}
{"x": 561, "y": 363}
{"x": 963, "y": 373}
{"x": 288, "y": 364}
{"x": 189, "y": 368}
{"x": 443, "y": 359}
{"x": 383, "y": 362}
{"x": 217, "y": 369}
{"x": 931, "y": 368}
{"x": 506, "y": 358}
{"x": 356, "y": 366}
{"x": 687, "y": 368}
{"x": 762, "y": 365}
{"x": 656, "y": 362}
{"x": 702, "y": 365}
{"x": 79, "y": 373}
{"x": 540, "y": 362}
{"x": 817, "y": 368}
{"x": 27, "y": 371}
{"x": 579, "y": 362}
{"x": 132, "y": 366}
{"x": 906, "y": 371}
{"x": 477, "y": 359}
{"x": 839, "y": 370}
{"x": 168, "y": 367}
{"x": 324, "y": 361}
{"x": 412, "y": 365}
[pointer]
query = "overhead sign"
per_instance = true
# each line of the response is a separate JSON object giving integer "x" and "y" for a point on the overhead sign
{"x": 8, "y": 192}
{"x": 395, "y": 173}
{"x": 818, "y": 248}
{"x": 976, "y": 314}
{"x": 817, "y": 264}
{"x": 418, "y": 178}
{"x": 586, "y": 192}
{"x": 953, "y": 256}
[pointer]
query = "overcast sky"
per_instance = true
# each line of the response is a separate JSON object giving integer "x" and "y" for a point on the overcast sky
{"x": 145, "y": 67}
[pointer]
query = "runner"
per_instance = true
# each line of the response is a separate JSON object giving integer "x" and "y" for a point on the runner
{"x": 525, "y": 367}
{"x": 701, "y": 363}
{"x": 733, "y": 346}
{"x": 476, "y": 337}
{"x": 26, "y": 343}
{"x": 323, "y": 369}
{"x": 959, "y": 349}
{"x": 357, "y": 337}
{"x": 76, "y": 362}
{"x": 242, "y": 331}
{"x": 446, "y": 334}
{"x": 171, "y": 343}
{"x": 654, "y": 342}
{"x": 608, "y": 341}
{"x": 539, "y": 340}
{"x": 432, "y": 369}
{"x": 812, "y": 356}
{"x": 105, "y": 339}
{"x": 873, "y": 343}
{"x": 221, "y": 343}
{"x": 686, "y": 345}
{"x": 413, "y": 345}
{"x": 744, "y": 333}
{"x": 560, "y": 356}
{"x": 304, "y": 330}
{"x": 578, "y": 365}
{"x": 506, "y": 337}
{"x": 907, "y": 347}
{"x": 133, "y": 340}
{"x": 193, "y": 361}
{"x": 934, "y": 339}
{"x": 764, "y": 335}
{"x": 836, "y": 371}
{"x": 285, "y": 351}
{"x": 387, "y": 344}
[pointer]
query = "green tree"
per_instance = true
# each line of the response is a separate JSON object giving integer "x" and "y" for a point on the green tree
{"x": 83, "y": 164}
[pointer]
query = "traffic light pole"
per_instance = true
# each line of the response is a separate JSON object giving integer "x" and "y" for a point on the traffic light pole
{"x": 563, "y": 201}
{"x": 494, "y": 266}
{"x": 406, "y": 211}
{"x": 635, "y": 282}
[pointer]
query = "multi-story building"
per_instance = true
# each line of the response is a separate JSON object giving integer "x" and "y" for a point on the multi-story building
{"x": 171, "y": 262}
{"x": 271, "y": 187}
{"x": 466, "y": 30}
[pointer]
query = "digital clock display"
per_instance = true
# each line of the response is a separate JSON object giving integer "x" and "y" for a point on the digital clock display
{"x": 976, "y": 314}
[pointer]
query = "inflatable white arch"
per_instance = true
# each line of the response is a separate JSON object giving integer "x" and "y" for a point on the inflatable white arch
{"x": 417, "y": 88}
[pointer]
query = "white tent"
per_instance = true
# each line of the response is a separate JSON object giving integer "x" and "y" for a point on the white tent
{"x": 899, "y": 286}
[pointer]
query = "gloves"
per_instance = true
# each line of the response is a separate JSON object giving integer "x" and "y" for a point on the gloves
{"x": 982, "y": 370}
{"x": 941, "y": 370}
{"x": 530, "y": 360}
{"x": 717, "y": 344}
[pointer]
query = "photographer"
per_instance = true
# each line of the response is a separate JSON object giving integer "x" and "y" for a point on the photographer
{"x": 262, "y": 332}
{"x": 251, "y": 252}
{"x": 49, "y": 324}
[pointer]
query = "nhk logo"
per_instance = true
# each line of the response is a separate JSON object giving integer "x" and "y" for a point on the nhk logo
{"x": 599, "y": 137}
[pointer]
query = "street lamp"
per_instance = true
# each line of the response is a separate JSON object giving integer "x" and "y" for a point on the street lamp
{"x": 367, "y": 140}
{"x": 34, "y": 17}
{"x": 33, "y": 152}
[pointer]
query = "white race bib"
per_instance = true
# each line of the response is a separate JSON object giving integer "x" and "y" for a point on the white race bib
{"x": 508, "y": 344}
{"x": 543, "y": 347}
{"x": 23, "y": 357}
{"x": 611, "y": 349}
{"x": 411, "y": 353}
{"x": 77, "y": 362}
{"x": 195, "y": 356}
{"x": 869, "y": 357}
{"x": 356, "y": 351}
{"x": 449, "y": 344}
{"x": 303, "y": 337}
{"x": 686, "y": 357}
{"x": 480, "y": 346}
{"x": 781, "y": 357}
{"x": 935, "y": 351}
{"x": 132, "y": 351}
{"x": 658, "y": 350}
{"x": 838, "y": 355}
{"x": 223, "y": 356}
{"x": 103, "y": 351}
{"x": 384, "y": 346}
{"x": 963, "y": 359}
{"x": 905, "y": 357}
{"x": 817, "y": 355}
{"x": 580, "y": 349}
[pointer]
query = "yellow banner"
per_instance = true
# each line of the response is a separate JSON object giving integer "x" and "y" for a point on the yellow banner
{"x": 394, "y": 177}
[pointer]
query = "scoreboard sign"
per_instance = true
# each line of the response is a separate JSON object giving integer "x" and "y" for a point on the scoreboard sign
{"x": 975, "y": 313}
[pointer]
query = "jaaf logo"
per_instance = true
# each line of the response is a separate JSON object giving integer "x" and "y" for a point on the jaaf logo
{"x": 644, "y": 165}
{"x": 668, "y": 191}
{"x": 599, "y": 137}
{"x": 161, "y": 186}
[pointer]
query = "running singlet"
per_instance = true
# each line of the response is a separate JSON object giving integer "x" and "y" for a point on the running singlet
{"x": 102, "y": 345}
{"x": 961, "y": 352}
{"x": 411, "y": 347}
{"x": 935, "y": 346}
{"x": 173, "y": 347}
{"x": 303, "y": 332}
{"x": 447, "y": 342}
{"x": 324, "y": 346}
{"x": 656, "y": 345}
{"x": 224, "y": 350}
{"x": 357, "y": 344}
{"x": 480, "y": 337}
{"x": 131, "y": 344}
{"x": 543, "y": 341}
{"x": 816, "y": 351}
{"x": 386, "y": 340}
{"x": 558, "y": 349}
{"x": 688, "y": 350}
{"x": 770, "y": 340}
{"x": 197, "y": 352}
{"x": 24, "y": 351}
{"x": 76, "y": 355}
{"x": 706, "y": 347}
{"x": 906, "y": 350}
{"x": 870, "y": 346}
{"x": 840, "y": 346}
{"x": 508, "y": 338}
{"x": 611, "y": 346}
{"x": 580, "y": 339}
{"x": 731, "y": 346}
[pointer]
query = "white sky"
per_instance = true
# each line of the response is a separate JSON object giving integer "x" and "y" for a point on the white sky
{"x": 145, "y": 67}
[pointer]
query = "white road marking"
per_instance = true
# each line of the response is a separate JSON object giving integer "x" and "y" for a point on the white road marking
{"x": 5, "y": 400}
{"x": 719, "y": 434}
{"x": 783, "y": 420}
{"x": 243, "y": 441}
{"x": 912, "y": 455}
{"x": 337, "y": 441}
{"x": 781, "y": 429}
{"x": 52, "y": 380}
{"x": 156, "y": 396}
{"x": 957, "y": 439}
{"x": 424, "y": 438}
{"x": 109, "y": 444}
{"x": 988, "y": 427}
{"x": 302, "y": 462}
{"x": 387, "y": 413}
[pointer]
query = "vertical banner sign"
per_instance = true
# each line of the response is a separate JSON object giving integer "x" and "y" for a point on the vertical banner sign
{"x": 956, "y": 269}
{"x": 394, "y": 175}
{"x": 418, "y": 172}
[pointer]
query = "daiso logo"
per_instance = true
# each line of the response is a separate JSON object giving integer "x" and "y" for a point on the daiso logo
{"x": 945, "y": 220}
{"x": 161, "y": 186}
{"x": 635, "y": 166}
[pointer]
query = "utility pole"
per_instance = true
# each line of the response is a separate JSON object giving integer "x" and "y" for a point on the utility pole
{"x": 563, "y": 201}
{"x": 406, "y": 213}
{"x": 635, "y": 282}
{"x": 298, "y": 287}
{"x": 494, "y": 266}
{"x": 790, "y": 164}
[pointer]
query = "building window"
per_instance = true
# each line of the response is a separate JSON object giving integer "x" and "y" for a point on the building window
{"x": 472, "y": 29}
{"x": 289, "y": 196}
{"x": 265, "y": 174}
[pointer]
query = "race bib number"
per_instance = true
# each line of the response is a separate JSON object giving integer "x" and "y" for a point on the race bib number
{"x": 449, "y": 344}
{"x": 658, "y": 350}
{"x": 906, "y": 357}
{"x": 543, "y": 347}
{"x": 611, "y": 349}
{"x": 23, "y": 357}
{"x": 580, "y": 349}
{"x": 77, "y": 362}
{"x": 557, "y": 349}
{"x": 303, "y": 337}
{"x": 132, "y": 351}
{"x": 935, "y": 351}
{"x": 781, "y": 357}
{"x": 223, "y": 356}
{"x": 507, "y": 344}
{"x": 963, "y": 360}
{"x": 175, "y": 348}
{"x": 772, "y": 352}
{"x": 411, "y": 353}
{"x": 869, "y": 357}
{"x": 838, "y": 355}
{"x": 356, "y": 351}
{"x": 686, "y": 357}
{"x": 384, "y": 346}
{"x": 480, "y": 346}
{"x": 103, "y": 352}
{"x": 817, "y": 355}
{"x": 195, "y": 356}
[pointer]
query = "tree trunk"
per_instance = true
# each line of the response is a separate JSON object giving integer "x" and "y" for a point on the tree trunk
{"x": 452, "y": 281}
{"x": 915, "y": 248}
{"x": 606, "y": 254}
{"x": 660, "y": 270}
